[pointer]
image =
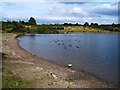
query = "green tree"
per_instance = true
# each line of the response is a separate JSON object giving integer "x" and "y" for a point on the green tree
{"x": 86, "y": 24}
{"x": 95, "y": 25}
{"x": 32, "y": 21}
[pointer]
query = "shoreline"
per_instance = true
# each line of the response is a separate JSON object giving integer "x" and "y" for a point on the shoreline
{"x": 31, "y": 67}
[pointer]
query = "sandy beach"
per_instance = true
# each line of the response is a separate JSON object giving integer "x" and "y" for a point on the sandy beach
{"x": 42, "y": 73}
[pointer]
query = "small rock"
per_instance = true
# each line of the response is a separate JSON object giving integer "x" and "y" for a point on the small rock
{"x": 39, "y": 68}
{"x": 55, "y": 83}
{"x": 69, "y": 65}
{"x": 54, "y": 76}
{"x": 50, "y": 83}
{"x": 13, "y": 53}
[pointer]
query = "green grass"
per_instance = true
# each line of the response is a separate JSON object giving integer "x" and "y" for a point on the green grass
{"x": 12, "y": 81}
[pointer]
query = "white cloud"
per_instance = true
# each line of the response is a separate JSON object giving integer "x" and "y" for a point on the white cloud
{"x": 58, "y": 18}
{"x": 79, "y": 10}
{"x": 60, "y": 0}
{"x": 55, "y": 11}
{"x": 87, "y": 19}
{"x": 107, "y": 6}
{"x": 67, "y": 19}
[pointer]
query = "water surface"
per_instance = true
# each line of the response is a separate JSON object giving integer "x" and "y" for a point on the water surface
{"x": 93, "y": 53}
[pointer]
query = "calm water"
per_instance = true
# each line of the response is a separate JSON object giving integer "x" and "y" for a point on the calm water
{"x": 93, "y": 53}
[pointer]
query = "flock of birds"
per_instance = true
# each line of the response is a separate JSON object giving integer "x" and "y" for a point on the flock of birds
{"x": 63, "y": 43}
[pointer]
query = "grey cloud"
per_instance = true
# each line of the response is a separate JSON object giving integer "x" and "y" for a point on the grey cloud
{"x": 74, "y": 2}
{"x": 106, "y": 12}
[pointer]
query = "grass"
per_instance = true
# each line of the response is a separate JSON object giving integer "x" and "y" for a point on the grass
{"x": 12, "y": 81}
{"x": 78, "y": 29}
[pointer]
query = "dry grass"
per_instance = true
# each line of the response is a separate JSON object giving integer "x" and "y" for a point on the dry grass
{"x": 78, "y": 29}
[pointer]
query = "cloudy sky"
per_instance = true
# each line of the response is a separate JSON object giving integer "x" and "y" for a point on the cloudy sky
{"x": 61, "y": 11}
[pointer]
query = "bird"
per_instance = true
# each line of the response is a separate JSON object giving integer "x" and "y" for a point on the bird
{"x": 62, "y": 43}
{"x": 62, "y": 40}
{"x": 65, "y": 47}
{"x": 77, "y": 46}
{"x": 55, "y": 41}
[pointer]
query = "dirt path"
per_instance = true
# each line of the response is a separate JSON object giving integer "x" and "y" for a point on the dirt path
{"x": 43, "y": 73}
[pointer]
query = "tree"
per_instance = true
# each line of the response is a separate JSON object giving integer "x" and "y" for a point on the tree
{"x": 92, "y": 24}
{"x": 9, "y": 22}
{"x": 76, "y": 24}
{"x": 86, "y": 24}
{"x": 65, "y": 24}
{"x": 113, "y": 25}
{"x": 95, "y": 25}
{"x": 22, "y": 22}
{"x": 32, "y": 21}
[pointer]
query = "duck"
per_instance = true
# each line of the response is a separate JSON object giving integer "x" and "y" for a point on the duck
{"x": 77, "y": 46}
{"x": 65, "y": 47}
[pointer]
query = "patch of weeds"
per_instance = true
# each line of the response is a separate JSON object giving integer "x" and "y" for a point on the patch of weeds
{"x": 15, "y": 82}
{"x": 68, "y": 79}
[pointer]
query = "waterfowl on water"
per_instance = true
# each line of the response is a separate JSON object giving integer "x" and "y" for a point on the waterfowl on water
{"x": 70, "y": 45}
{"x": 77, "y": 46}
{"x": 55, "y": 41}
{"x": 65, "y": 47}
{"x": 62, "y": 43}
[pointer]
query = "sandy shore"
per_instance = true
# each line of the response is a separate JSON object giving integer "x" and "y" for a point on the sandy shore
{"x": 44, "y": 74}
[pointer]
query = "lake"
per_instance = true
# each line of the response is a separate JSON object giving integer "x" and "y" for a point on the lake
{"x": 92, "y": 53}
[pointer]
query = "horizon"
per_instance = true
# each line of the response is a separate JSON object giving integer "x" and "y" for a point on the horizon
{"x": 61, "y": 12}
{"x": 57, "y": 23}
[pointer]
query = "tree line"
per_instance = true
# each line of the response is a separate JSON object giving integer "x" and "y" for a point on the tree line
{"x": 32, "y": 27}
